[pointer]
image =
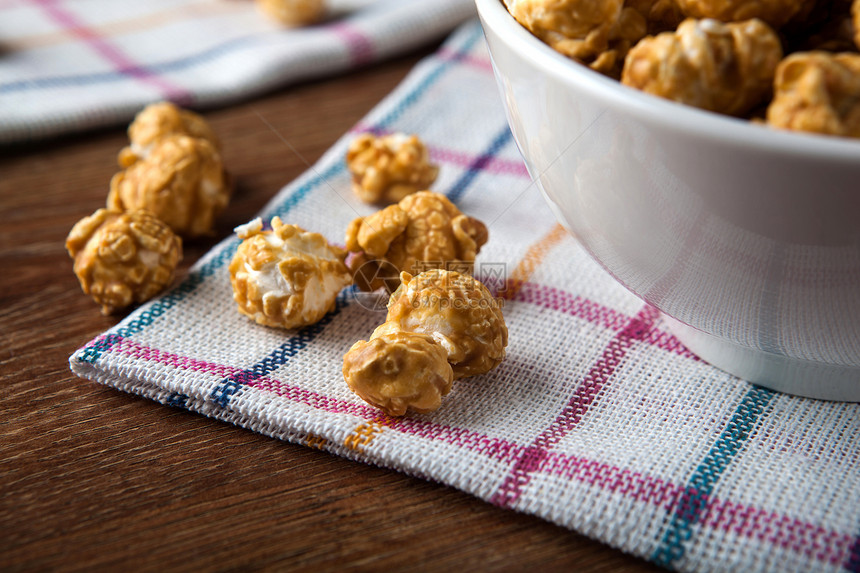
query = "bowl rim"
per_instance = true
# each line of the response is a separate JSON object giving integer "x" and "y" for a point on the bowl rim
{"x": 669, "y": 115}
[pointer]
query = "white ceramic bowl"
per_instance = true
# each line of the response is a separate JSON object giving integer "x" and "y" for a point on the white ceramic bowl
{"x": 748, "y": 238}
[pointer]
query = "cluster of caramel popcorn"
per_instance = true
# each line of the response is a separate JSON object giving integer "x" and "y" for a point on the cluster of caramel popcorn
{"x": 726, "y": 68}
{"x": 286, "y": 277}
{"x": 122, "y": 258}
{"x": 423, "y": 227}
{"x": 172, "y": 184}
{"x": 596, "y": 33}
{"x": 387, "y": 169}
{"x": 155, "y": 122}
{"x": 181, "y": 180}
{"x": 173, "y": 168}
{"x": 790, "y": 63}
{"x": 294, "y": 12}
{"x": 441, "y": 326}
{"x": 818, "y": 92}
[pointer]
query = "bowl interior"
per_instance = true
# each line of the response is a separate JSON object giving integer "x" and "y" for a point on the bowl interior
{"x": 669, "y": 115}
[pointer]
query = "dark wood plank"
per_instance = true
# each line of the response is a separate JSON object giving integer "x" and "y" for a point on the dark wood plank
{"x": 93, "y": 478}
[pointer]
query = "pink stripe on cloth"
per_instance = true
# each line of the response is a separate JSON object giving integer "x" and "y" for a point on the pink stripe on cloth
{"x": 360, "y": 47}
{"x": 112, "y": 54}
{"x": 789, "y": 533}
{"x": 492, "y": 447}
{"x": 635, "y": 485}
{"x": 587, "y": 392}
{"x": 446, "y": 53}
{"x": 494, "y": 165}
{"x": 812, "y": 540}
{"x": 561, "y": 301}
{"x": 455, "y": 157}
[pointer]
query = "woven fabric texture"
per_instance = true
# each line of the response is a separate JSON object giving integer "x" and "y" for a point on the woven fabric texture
{"x": 67, "y": 66}
{"x": 598, "y": 419}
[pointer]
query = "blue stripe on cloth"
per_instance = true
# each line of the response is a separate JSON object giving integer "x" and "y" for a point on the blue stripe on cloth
{"x": 477, "y": 164}
{"x": 93, "y": 352}
{"x": 421, "y": 88}
{"x": 177, "y": 400}
{"x": 694, "y": 500}
{"x": 228, "y": 387}
{"x": 179, "y": 64}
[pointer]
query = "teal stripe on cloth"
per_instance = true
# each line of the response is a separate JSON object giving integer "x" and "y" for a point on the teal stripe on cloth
{"x": 431, "y": 78}
{"x": 696, "y": 495}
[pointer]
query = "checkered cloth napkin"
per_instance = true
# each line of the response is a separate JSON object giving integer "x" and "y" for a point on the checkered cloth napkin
{"x": 67, "y": 66}
{"x": 598, "y": 419}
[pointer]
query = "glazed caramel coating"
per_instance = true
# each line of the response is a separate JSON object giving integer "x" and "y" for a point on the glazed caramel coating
{"x": 399, "y": 371}
{"x": 122, "y": 258}
{"x": 387, "y": 169}
{"x": 457, "y": 311}
{"x": 182, "y": 182}
{"x": 726, "y": 68}
{"x": 286, "y": 277}
{"x": 294, "y": 12}
{"x": 596, "y": 33}
{"x": 441, "y": 326}
{"x": 817, "y": 92}
{"x": 774, "y": 12}
{"x": 423, "y": 227}
{"x": 157, "y": 121}
{"x": 855, "y": 18}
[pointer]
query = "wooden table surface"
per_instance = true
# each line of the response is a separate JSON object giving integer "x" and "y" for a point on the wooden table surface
{"x": 93, "y": 478}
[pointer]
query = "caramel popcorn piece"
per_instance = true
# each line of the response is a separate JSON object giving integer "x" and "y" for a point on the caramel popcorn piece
{"x": 387, "y": 169}
{"x": 424, "y": 227}
{"x": 458, "y": 311}
{"x": 597, "y": 33}
{"x": 398, "y": 371}
{"x": 182, "y": 181}
{"x": 577, "y": 28}
{"x": 441, "y": 326}
{"x": 123, "y": 258}
{"x": 286, "y": 277}
{"x": 157, "y": 121}
{"x": 294, "y": 12}
{"x": 726, "y": 68}
{"x": 817, "y": 92}
{"x": 774, "y": 12}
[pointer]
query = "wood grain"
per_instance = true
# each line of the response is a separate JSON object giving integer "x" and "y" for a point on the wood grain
{"x": 96, "y": 479}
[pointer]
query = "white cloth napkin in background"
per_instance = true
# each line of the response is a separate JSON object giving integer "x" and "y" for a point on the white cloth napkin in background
{"x": 598, "y": 419}
{"x": 70, "y": 65}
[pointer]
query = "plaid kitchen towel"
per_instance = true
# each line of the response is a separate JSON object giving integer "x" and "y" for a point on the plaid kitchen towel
{"x": 598, "y": 419}
{"x": 71, "y": 65}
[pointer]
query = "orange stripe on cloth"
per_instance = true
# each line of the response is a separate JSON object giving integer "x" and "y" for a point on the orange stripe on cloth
{"x": 366, "y": 432}
{"x": 315, "y": 441}
{"x": 533, "y": 259}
